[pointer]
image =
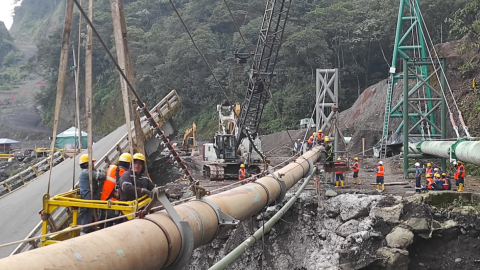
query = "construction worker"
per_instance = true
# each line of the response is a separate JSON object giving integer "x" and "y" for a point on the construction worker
{"x": 311, "y": 140}
{"x": 242, "y": 173}
{"x": 430, "y": 181}
{"x": 356, "y": 169}
{"x": 418, "y": 178}
{"x": 319, "y": 135}
{"x": 297, "y": 147}
{"x": 446, "y": 182}
{"x": 135, "y": 177}
{"x": 339, "y": 176}
{"x": 438, "y": 182}
{"x": 86, "y": 215}
{"x": 474, "y": 86}
{"x": 380, "y": 170}
{"x": 429, "y": 169}
{"x": 110, "y": 188}
{"x": 328, "y": 149}
{"x": 460, "y": 172}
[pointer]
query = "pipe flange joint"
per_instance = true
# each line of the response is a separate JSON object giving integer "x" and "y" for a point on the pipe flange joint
{"x": 283, "y": 187}
{"x": 224, "y": 219}
{"x": 451, "y": 150}
{"x": 419, "y": 146}
{"x": 186, "y": 232}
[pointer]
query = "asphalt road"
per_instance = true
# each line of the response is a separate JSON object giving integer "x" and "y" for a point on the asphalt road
{"x": 19, "y": 210}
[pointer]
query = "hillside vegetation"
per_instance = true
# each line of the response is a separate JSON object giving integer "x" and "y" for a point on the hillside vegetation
{"x": 354, "y": 35}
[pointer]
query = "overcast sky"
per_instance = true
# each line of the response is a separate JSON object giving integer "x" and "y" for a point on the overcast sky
{"x": 6, "y": 12}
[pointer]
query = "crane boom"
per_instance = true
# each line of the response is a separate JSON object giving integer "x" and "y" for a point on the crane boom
{"x": 263, "y": 65}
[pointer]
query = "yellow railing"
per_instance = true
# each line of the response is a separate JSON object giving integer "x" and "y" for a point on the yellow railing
{"x": 6, "y": 156}
{"x": 73, "y": 202}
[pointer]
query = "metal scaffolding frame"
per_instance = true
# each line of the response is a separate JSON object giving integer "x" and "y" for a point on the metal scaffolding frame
{"x": 411, "y": 114}
{"x": 326, "y": 100}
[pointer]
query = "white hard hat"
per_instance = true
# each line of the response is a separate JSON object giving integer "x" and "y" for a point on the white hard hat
{"x": 417, "y": 164}
{"x": 380, "y": 162}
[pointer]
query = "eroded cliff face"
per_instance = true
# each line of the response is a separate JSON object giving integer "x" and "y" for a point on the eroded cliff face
{"x": 355, "y": 231}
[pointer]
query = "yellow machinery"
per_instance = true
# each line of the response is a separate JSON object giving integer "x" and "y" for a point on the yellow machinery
{"x": 73, "y": 202}
{"x": 189, "y": 139}
{"x": 6, "y": 156}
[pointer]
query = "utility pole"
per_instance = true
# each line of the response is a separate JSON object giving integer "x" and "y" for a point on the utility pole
{"x": 77, "y": 79}
{"x": 88, "y": 93}
{"x": 62, "y": 70}
{"x": 125, "y": 62}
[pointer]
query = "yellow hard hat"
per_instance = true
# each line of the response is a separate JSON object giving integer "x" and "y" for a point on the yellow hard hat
{"x": 242, "y": 165}
{"x": 125, "y": 157}
{"x": 320, "y": 131}
{"x": 437, "y": 175}
{"x": 429, "y": 164}
{"x": 429, "y": 175}
{"x": 459, "y": 161}
{"x": 326, "y": 139}
{"x": 84, "y": 159}
{"x": 298, "y": 140}
{"x": 339, "y": 159}
{"x": 444, "y": 174}
{"x": 139, "y": 156}
{"x": 314, "y": 133}
{"x": 356, "y": 158}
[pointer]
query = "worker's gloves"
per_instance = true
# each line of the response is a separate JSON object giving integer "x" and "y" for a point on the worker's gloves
{"x": 147, "y": 192}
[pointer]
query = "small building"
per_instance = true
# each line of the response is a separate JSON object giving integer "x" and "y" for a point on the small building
{"x": 6, "y": 145}
{"x": 69, "y": 139}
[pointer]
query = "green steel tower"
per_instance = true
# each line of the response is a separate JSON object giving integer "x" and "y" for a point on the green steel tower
{"x": 421, "y": 100}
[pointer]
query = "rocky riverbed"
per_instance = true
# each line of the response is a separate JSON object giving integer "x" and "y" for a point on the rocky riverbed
{"x": 359, "y": 231}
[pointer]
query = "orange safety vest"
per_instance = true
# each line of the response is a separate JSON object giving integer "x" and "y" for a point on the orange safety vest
{"x": 461, "y": 171}
{"x": 429, "y": 171}
{"x": 338, "y": 172}
{"x": 110, "y": 182}
{"x": 445, "y": 183}
{"x": 310, "y": 140}
{"x": 381, "y": 171}
{"x": 356, "y": 167}
{"x": 430, "y": 182}
{"x": 320, "y": 136}
{"x": 242, "y": 174}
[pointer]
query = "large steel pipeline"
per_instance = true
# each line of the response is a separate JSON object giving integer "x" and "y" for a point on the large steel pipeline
{"x": 155, "y": 242}
{"x": 466, "y": 151}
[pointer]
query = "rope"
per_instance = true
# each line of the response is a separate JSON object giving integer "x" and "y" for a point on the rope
{"x": 199, "y": 51}
{"x": 141, "y": 106}
{"x": 78, "y": 227}
{"x": 465, "y": 128}
{"x": 236, "y": 26}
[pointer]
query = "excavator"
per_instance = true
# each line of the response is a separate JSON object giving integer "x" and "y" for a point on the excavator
{"x": 236, "y": 141}
{"x": 189, "y": 139}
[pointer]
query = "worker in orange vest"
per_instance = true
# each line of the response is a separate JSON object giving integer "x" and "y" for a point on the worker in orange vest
{"x": 109, "y": 191}
{"x": 446, "y": 182}
{"x": 429, "y": 169}
{"x": 356, "y": 169}
{"x": 109, "y": 188}
{"x": 242, "y": 173}
{"x": 319, "y": 136}
{"x": 311, "y": 140}
{"x": 460, "y": 175}
{"x": 339, "y": 176}
{"x": 429, "y": 181}
{"x": 380, "y": 170}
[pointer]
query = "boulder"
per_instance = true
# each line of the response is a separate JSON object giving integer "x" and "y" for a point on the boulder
{"x": 418, "y": 224}
{"x": 350, "y": 206}
{"x": 330, "y": 193}
{"x": 465, "y": 210}
{"x": 347, "y": 228}
{"x": 399, "y": 238}
{"x": 388, "y": 214}
{"x": 394, "y": 258}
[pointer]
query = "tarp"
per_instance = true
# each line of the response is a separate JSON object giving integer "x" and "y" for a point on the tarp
{"x": 395, "y": 139}
{"x": 67, "y": 140}
{"x": 8, "y": 141}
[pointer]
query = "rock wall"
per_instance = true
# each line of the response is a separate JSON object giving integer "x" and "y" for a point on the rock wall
{"x": 355, "y": 231}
